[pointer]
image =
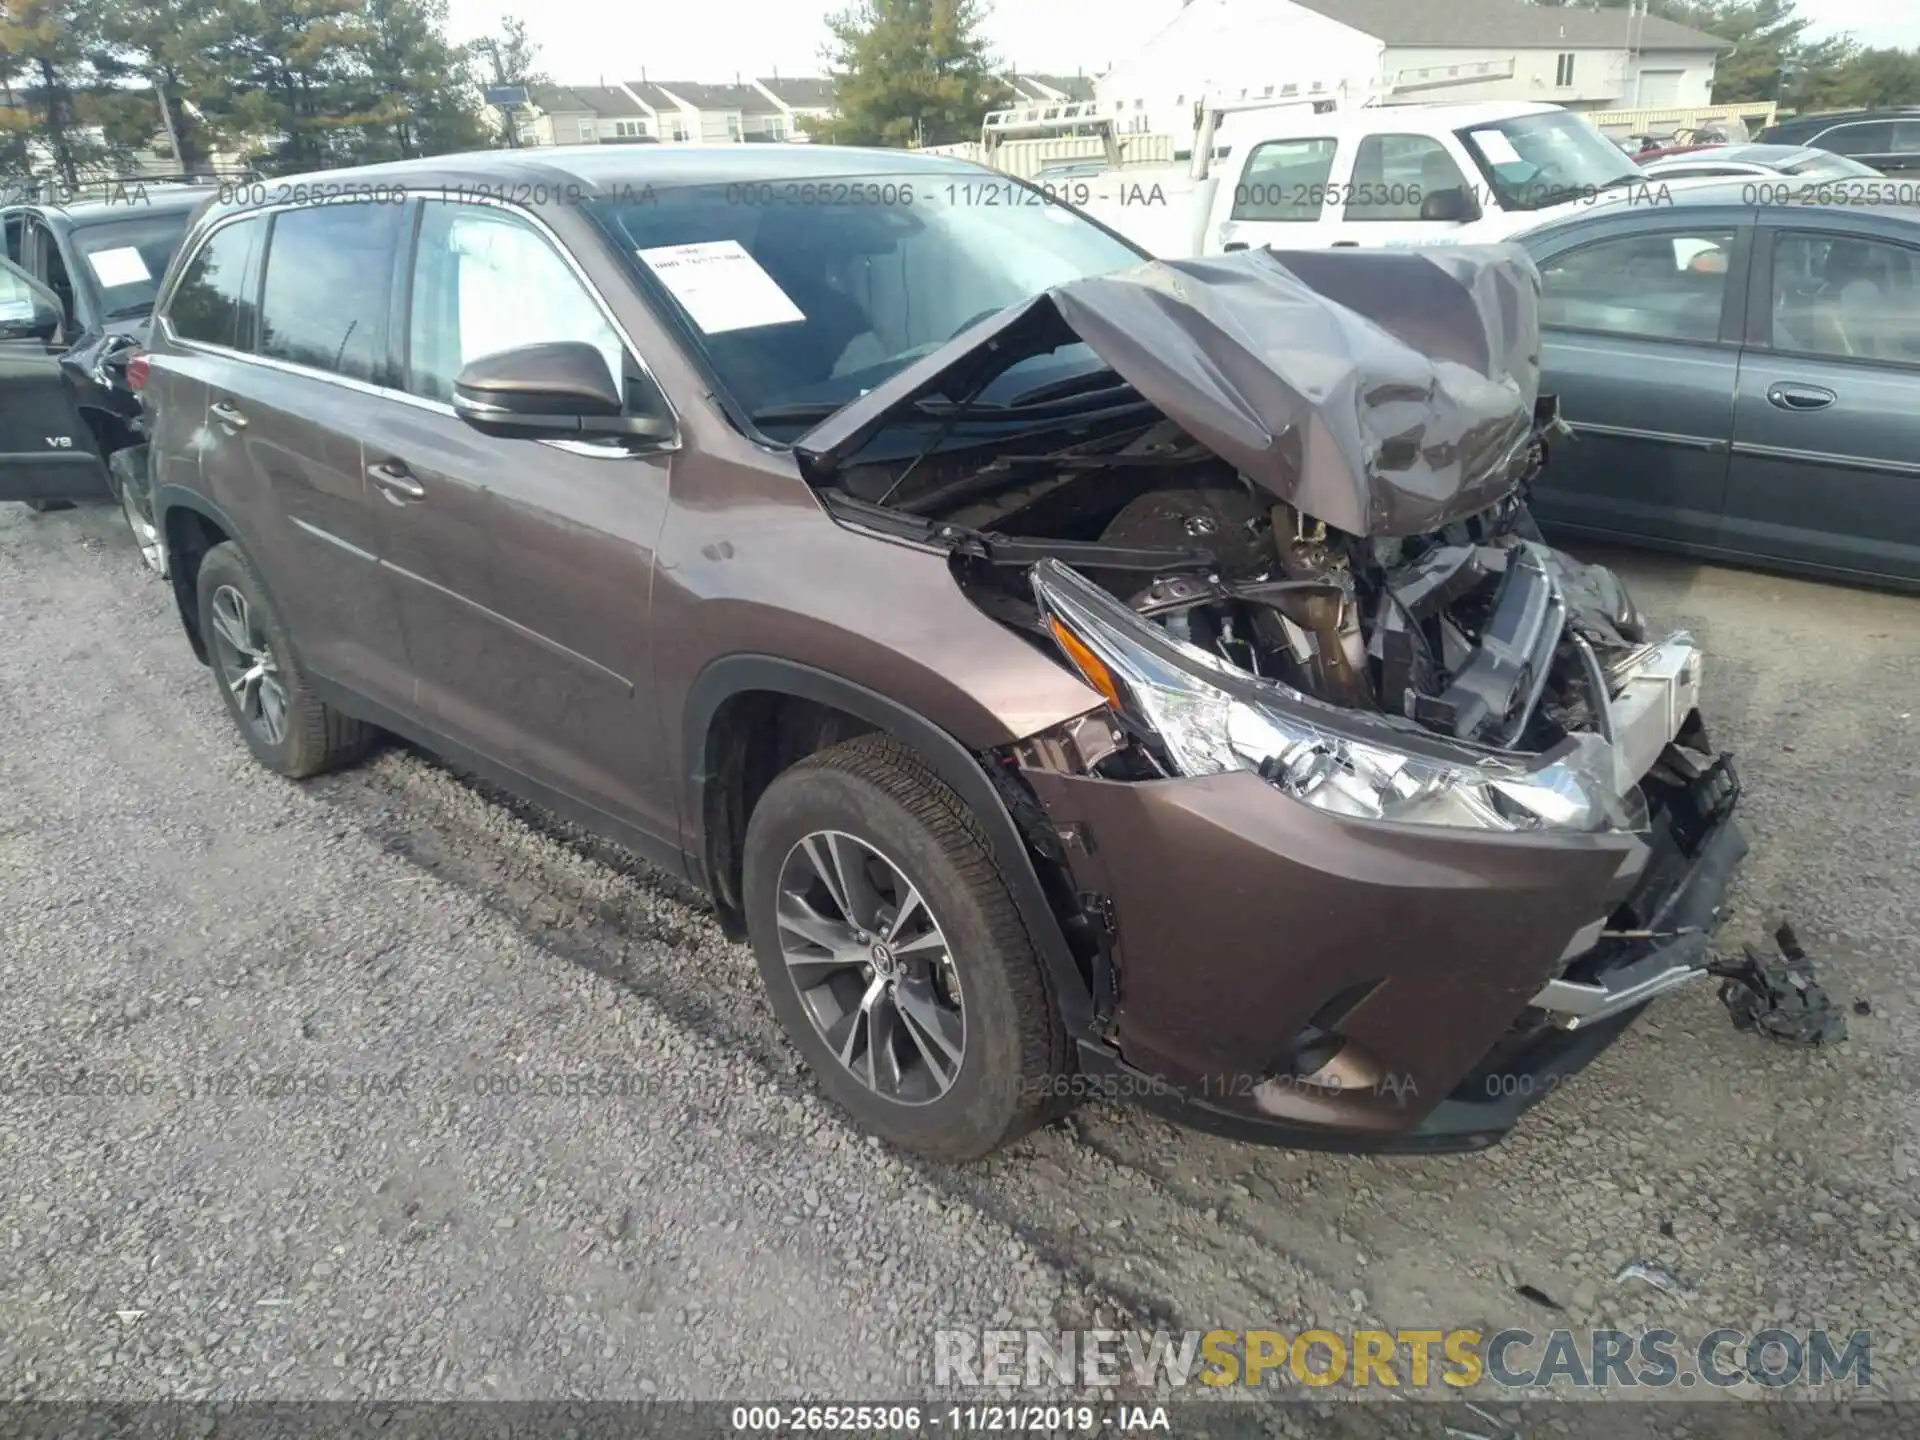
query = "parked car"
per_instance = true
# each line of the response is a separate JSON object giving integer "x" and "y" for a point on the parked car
{"x": 1744, "y": 379}
{"x": 1799, "y": 162}
{"x": 83, "y": 279}
{"x": 1307, "y": 173}
{"x": 989, "y": 619}
{"x": 1888, "y": 140}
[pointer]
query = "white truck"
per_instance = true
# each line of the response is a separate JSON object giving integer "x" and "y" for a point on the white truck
{"x": 1310, "y": 174}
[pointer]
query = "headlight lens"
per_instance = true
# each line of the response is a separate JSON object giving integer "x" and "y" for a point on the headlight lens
{"x": 1211, "y": 718}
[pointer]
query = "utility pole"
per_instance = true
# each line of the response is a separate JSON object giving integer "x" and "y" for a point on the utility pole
{"x": 166, "y": 118}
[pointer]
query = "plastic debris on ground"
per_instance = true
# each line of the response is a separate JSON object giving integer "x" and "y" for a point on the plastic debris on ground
{"x": 1779, "y": 995}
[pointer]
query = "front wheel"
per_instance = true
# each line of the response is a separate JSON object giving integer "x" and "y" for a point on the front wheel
{"x": 894, "y": 955}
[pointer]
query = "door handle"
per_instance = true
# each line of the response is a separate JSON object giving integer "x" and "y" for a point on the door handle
{"x": 1800, "y": 397}
{"x": 227, "y": 415}
{"x": 395, "y": 483}
{"x": 1346, "y": 245}
{"x": 1234, "y": 245}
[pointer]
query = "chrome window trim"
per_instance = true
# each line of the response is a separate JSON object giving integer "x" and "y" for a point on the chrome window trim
{"x": 164, "y": 319}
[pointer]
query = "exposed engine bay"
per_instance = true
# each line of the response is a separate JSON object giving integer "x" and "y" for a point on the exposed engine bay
{"x": 1477, "y": 633}
{"x": 1308, "y": 475}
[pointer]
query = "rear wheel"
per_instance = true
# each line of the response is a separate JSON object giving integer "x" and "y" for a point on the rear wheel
{"x": 894, "y": 955}
{"x": 289, "y": 728}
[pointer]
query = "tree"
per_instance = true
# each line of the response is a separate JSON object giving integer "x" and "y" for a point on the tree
{"x": 165, "y": 43}
{"x": 288, "y": 73}
{"x": 415, "y": 89}
{"x": 509, "y": 58}
{"x": 1863, "y": 79}
{"x": 52, "y": 44}
{"x": 911, "y": 72}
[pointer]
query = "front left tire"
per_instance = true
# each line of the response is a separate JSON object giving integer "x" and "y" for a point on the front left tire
{"x": 895, "y": 956}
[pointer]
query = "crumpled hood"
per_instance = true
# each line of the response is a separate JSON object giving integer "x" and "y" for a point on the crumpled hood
{"x": 1384, "y": 392}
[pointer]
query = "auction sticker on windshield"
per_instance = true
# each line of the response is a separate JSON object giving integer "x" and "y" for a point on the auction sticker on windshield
{"x": 721, "y": 286}
{"x": 1498, "y": 149}
{"x": 120, "y": 266}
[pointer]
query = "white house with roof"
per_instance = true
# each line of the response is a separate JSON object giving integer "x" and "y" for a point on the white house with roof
{"x": 804, "y": 102}
{"x": 673, "y": 111}
{"x": 585, "y": 115}
{"x": 1230, "y": 50}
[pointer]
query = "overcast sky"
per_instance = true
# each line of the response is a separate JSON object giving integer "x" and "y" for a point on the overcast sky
{"x": 582, "y": 41}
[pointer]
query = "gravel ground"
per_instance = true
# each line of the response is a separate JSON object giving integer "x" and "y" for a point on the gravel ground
{"x": 300, "y": 1172}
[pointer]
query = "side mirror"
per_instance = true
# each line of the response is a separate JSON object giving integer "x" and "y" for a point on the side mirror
{"x": 550, "y": 391}
{"x": 27, "y": 314}
{"x": 1451, "y": 206}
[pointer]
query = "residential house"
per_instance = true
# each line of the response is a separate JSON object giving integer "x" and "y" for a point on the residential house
{"x": 1228, "y": 50}
{"x": 586, "y": 115}
{"x": 804, "y": 102}
{"x": 687, "y": 112}
{"x": 714, "y": 114}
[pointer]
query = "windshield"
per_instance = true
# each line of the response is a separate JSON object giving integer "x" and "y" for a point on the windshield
{"x": 128, "y": 257}
{"x": 1533, "y": 161}
{"x": 803, "y": 295}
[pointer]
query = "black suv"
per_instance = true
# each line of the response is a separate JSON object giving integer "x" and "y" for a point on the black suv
{"x": 1888, "y": 140}
{"x": 74, "y": 304}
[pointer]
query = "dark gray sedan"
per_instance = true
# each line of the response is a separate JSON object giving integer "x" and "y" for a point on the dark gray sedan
{"x": 1742, "y": 372}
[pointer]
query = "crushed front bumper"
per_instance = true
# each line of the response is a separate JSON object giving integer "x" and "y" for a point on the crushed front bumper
{"x": 1294, "y": 977}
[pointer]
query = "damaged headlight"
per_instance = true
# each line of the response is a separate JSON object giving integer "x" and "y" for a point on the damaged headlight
{"x": 1210, "y": 717}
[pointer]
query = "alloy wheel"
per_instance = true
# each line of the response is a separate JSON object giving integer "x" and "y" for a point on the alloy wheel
{"x": 247, "y": 665}
{"x": 872, "y": 967}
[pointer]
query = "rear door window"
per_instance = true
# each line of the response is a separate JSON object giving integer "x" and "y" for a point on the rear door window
{"x": 329, "y": 272}
{"x": 214, "y": 302}
{"x": 1285, "y": 180}
{"x": 1846, "y": 297}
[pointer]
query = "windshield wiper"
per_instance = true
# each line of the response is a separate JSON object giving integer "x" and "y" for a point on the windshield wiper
{"x": 1092, "y": 382}
{"x": 808, "y": 411}
{"x": 796, "y": 414}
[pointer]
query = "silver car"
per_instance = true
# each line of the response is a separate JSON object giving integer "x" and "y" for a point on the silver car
{"x": 1801, "y": 162}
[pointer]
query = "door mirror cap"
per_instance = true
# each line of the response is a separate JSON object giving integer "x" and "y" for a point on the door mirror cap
{"x": 29, "y": 318}
{"x": 1451, "y": 206}
{"x": 548, "y": 391}
{"x": 28, "y": 309}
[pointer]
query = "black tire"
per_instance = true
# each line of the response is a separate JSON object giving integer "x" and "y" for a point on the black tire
{"x": 42, "y": 507}
{"x": 1015, "y": 1054}
{"x": 313, "y": 736}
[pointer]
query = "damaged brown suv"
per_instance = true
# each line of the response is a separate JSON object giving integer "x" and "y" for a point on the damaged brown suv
{"x": 1068, "y": 670}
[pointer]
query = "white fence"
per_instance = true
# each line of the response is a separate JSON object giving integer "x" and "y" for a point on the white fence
{"x": 1671, "y": 119}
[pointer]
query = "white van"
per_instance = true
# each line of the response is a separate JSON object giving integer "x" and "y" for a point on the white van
{"x": 1296, "y": 176}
